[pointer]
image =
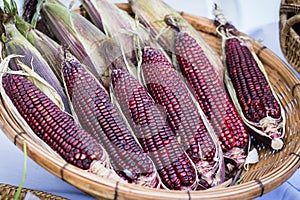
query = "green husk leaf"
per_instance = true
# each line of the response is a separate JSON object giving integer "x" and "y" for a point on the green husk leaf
{"x": 6, "y": 6}
{"x": 17, "y": 195}
{"x": 37, "y": 13}
{"x": 17, "y": 44}
{"x": 10, "y": 7}
{"x": 4, "y": 38}
{"x": 50, "y": 50}
{"x": 117, "y": 24}
{"x": 79, "y": 36}
{"x": 152, "y": 14}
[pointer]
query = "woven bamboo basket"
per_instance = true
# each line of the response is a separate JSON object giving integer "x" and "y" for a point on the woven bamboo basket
{"x": 273, "y": 168}
{"x": 290, "y": 31}
{"x": 8, "y": 192}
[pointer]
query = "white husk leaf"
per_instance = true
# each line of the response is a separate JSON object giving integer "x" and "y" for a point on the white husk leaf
{"x": 43, "y": 85}
{"x": 225, "y": 184}
{"x": 252, "y": 158}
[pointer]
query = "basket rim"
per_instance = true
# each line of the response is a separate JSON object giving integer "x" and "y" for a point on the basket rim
{"x": 66, "y": 171}
{"x": 72, "y": 174}
{"x": 288, "y": 35}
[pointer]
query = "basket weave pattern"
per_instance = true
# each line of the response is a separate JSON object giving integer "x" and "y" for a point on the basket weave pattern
{"x": 8, "y": 192}
{"x": 273, "y": 169}
{"x": 289, "y": 31}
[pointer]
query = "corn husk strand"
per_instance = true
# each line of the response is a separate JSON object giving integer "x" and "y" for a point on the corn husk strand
{"x": 114, "y": 57}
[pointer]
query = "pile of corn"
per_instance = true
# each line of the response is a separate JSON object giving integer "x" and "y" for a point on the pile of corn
{"x": 143, "y": 100}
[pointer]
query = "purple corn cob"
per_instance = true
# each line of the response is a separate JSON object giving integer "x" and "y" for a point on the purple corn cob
{"x": 175, "y": 169}
{"x": 253, "y": 94}
{"x": 100, "y": 118}
{"x": 52, "y": 125}
{"x": 168, "y": 90}
{"x": 212, "y": 96}
{"x": 253, "y": 90}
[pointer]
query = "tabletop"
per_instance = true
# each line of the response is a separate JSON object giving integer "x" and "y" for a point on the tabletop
{"x": 257, "y": 18}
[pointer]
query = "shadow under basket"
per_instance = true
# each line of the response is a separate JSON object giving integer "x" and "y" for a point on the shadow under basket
{"x": 273, "y": 168}
{"x": 290, "y": 31}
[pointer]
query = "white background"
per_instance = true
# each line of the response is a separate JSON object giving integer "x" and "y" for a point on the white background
{"x": 257, "y": 18}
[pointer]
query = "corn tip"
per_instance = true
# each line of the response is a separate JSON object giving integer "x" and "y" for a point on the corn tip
{"x": 277, "y": 143}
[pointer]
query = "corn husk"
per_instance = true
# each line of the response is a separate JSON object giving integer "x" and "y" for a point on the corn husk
{"x": 50, "y": 50}
{"x": 17, "y": 44}
{"x": 119, "y": 25}
{"x": 152, "y": 14}
{"x": 126, "y": 31}
{"x": 78, "y": 35}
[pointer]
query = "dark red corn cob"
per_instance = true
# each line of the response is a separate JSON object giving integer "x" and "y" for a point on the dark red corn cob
{"x": 255, "y": 97}
{"x": 175, "y": 169}
{"x": 212, "y": 97}
{"x": 248, "y": 86}
{"x": 99, "y": 117}
{"x": 53, "y": 126}
{"x": 253, "y": 90}
{"x": 168, "y": 90}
